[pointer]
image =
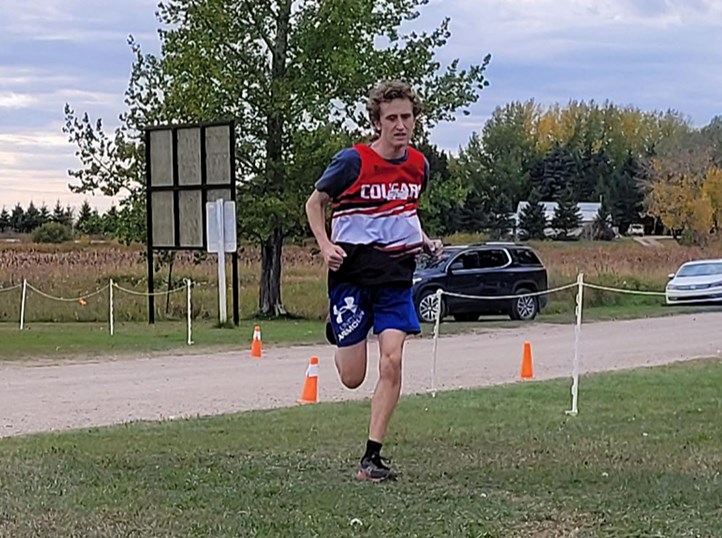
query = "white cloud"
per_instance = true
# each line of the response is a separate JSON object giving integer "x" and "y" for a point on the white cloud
{"x": 33, "y": 167}
{"x": 23, "y": 77}
{"x": 16, "y": 100}
{"x": 41, "y": 140}
{"x": 76, "y": 20}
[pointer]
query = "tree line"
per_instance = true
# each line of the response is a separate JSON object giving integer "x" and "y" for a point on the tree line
{"x": 59, "y": 224}
{"x": 653, "y": 168}
{"x": 648, "y": 167}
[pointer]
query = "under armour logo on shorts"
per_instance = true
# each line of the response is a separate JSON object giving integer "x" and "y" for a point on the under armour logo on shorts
{"x": 350, "y": 306}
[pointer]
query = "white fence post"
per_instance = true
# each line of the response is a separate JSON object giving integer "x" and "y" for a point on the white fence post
{"x": 577, "y": 333}
{"x": 111, "y": 313}
{"x": 22, "y": 304}
{"x": 437, "y": 325}
{"x": 188, "y": 309}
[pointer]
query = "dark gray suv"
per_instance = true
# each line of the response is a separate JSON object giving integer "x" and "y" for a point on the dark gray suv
{"x": 486, "y": 269}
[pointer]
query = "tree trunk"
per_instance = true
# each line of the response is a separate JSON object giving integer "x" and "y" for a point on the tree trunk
{"x": 269, "y": 302}
{"x": 269, "y": 299}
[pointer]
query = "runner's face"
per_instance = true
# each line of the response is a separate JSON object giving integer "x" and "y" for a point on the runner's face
{"x": 396, "y": 122}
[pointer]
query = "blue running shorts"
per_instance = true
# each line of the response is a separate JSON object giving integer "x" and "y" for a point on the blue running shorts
{"x": 355, "y": 310}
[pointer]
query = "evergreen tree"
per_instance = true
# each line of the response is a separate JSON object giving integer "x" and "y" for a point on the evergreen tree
{"x": 44, "y": 216}
{"x": 17, "y": 219}
{"x": 533, "y": 219}
{"x": 110, "y": 222}
{"x": 557, "y": 171}
{"x": 500, "y": 223}
{"x": 567, "y": 215}
{"x": 32, "y": 218}
{"x": 475, "y": 214}
{"x": 602, "y": 227}
{"x": 61, "y": 216}
{"x": 85, "y": 217}
{"x": 628, "y": 195}
{"x": 4, "y": 220}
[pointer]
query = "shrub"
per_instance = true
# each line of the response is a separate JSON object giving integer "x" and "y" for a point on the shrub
{"x": 52, "y": 232}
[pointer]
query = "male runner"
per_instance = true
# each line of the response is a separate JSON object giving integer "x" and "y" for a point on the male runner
{"x": 375, "y": 236}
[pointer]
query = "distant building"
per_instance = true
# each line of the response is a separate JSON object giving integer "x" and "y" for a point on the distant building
{"x": 587, "y": 210}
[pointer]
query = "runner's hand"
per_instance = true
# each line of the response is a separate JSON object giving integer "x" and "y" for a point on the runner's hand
{"x": 333, "y": 255}
{"x": 434, "y": 247}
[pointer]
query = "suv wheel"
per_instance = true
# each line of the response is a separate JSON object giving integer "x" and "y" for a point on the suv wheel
{"x": 426, "y": 306}
{"x": 524, "y": 308}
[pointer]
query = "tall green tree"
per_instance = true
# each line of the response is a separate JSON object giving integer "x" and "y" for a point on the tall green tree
{"x": 556, "y": 172}
{"x": 602, "y": 225}
{"x": 32, "y": 218}
{"x": 17, "y": 219}
{"x": 62, "y": 215}
{"x": 496, "y": 162}
{"x": 44, "y": 216}
{"x": 533, "y": 219}
{"x": 441, "y": 205}
{"x": 500, "y": 221}
{"x": 567, "y": 216}
{"x": 4, "y": 220}
{"x": 85, "y": 217}
{"x": 110, "y": 221}
{"x": 293, "y": 76}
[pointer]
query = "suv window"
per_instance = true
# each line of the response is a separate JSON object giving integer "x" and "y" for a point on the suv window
{"x": 481, "y": 259}
{"x": 490, "y": 259}
{"x": 525, "y": 256}
{"x": 468, "y": 260}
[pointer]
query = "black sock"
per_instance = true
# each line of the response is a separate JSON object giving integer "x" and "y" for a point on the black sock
{"x": 373, "y": 450}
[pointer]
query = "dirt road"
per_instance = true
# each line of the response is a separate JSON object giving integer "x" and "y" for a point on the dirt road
{"x": 35, "y": 398}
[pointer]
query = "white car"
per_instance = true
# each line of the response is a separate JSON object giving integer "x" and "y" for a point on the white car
{"x": 696, "y": 282}
{"x": 636, "y": 229}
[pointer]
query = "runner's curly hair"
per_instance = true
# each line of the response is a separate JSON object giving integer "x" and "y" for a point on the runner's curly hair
{"x": 387, "y": 91}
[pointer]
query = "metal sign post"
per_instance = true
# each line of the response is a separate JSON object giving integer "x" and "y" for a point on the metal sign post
{"x": 221, "y": 233}
{"x": 188, "y": 166}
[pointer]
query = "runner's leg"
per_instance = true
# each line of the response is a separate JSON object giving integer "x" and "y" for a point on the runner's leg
{"x": 350, "y": 319}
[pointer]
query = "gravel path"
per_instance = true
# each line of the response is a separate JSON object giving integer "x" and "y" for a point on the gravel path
{"x": 36, "y": 398}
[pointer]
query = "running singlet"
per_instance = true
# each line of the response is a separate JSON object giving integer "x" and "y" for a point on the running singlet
{"x": 374, "y": 217}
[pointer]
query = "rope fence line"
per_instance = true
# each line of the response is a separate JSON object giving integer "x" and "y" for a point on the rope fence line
{"x": 505, "y": 297}
{"x": 580, "y": 284}
{"x": 625, "y": 290}
{"x": 11, "y": 288}
{"x": 154, "y": 294}
{"x": 64, "y": 299}
{"x": 187, "y": 287}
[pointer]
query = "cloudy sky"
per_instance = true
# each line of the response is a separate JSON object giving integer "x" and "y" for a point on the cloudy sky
{"x": 653, "y": 54}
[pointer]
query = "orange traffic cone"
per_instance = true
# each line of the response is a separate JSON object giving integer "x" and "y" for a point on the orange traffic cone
{"x": 256, "y": 343}
{"x": 310, "y": 385}
{"x": 527, "y": 371}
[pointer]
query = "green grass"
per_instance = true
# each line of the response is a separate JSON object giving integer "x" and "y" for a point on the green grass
{"x": 643, "y": 458}
{"x": 74, "y": 340}
{"x": 60, "y": 340}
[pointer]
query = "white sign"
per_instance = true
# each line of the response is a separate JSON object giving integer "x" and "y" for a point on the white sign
{"x": 221, "y": 226}
{"x": 221, "y": 233}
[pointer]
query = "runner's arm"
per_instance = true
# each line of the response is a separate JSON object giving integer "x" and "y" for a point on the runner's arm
{"x": 315, "y": 212}
{"x": 333, "y": 254}
{"x": 431, "y": 246}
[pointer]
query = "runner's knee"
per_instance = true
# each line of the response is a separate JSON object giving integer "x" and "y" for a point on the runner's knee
{"x": 351, "y": 365}
{"x": 352, "y": 380}
{"x": 390, "y": 366}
